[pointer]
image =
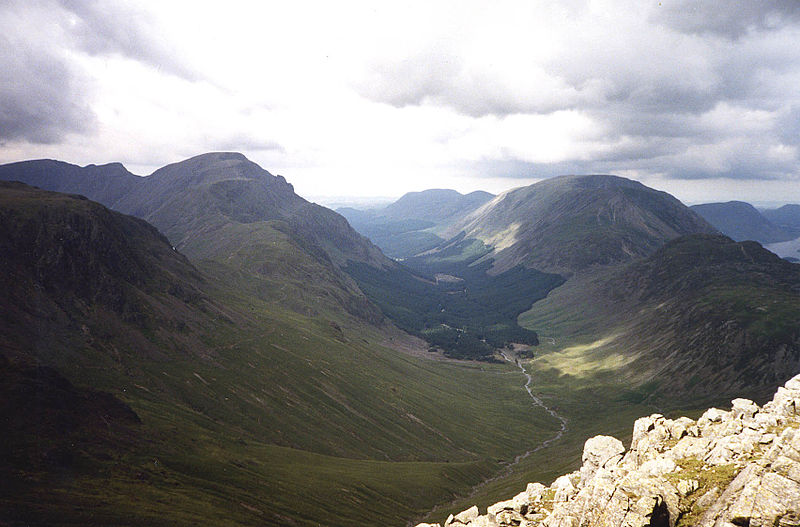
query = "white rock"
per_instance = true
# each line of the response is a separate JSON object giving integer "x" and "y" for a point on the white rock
{"x": 687, "y": 486}
{"x": 743, "y": 408}
{"x": 467, "y": 515}
{"x": 680, "y": 427}
{"x": 715, "y": 415}
{"x": 658, "y": 466}
{"x": 793, "y": 383}
{"x": 500, "y": 506}
{"x": 695, "y": 447}
{"x": 564, "y": 489}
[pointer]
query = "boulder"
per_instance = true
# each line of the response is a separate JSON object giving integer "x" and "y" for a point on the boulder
{"x": 464, "y": 517}
{"x": 793, "y": 383}
{"x": 743, "y": 409}
{"x": 600, "y": 452}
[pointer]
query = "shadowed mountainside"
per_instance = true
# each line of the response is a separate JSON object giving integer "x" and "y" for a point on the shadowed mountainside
{"x": 72, "y": 267}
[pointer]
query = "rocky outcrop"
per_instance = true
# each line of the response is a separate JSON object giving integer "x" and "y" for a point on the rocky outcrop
{"x": 739, "y": 467}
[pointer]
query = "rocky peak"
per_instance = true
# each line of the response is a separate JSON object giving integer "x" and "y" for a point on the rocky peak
{"x": 737, "y": 467}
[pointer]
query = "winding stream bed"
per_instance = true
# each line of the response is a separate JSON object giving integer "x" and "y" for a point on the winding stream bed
{"x": 547, "y": 442}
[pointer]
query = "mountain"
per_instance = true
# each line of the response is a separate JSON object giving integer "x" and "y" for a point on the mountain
{"x": 786, "y": 217}
{"x": 106, "y": 184}
{"x": 514, "y": 250}
{"x": 75, "y": 264}
{"x": 702, "y": 316}
{"x": 569, "y": 223}
{"x": 436, "y": 205}
{"x": 411, "y": 224}
{"x": 228, "y": 214}
{"x": 728, "y": 467}
{"x": 741, "y": 221}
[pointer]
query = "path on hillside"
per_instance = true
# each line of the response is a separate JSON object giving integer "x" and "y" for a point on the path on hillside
{"x": 510, "y": 467}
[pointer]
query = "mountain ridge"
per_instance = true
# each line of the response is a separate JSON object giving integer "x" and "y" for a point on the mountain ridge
{"x": 725, "y": 311}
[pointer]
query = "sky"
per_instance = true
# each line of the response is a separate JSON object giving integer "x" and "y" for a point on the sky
{"x": 697, "y": 98}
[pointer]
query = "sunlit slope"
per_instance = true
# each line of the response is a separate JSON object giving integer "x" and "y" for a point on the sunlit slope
{"x": 703, "y": 316}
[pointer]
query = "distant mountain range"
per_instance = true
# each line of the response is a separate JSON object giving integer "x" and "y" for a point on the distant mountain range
{"x": 786, "y": 217}
{"x": 412, "y": 224}
{"x": 741, "y": 221}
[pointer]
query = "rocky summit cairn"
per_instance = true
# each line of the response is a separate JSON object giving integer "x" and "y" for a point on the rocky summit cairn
{"x": 727, "y": 469}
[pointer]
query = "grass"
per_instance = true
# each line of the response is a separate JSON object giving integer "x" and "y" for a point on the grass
{"x": 281, "y": 406}
{"x": 707, "y": 478}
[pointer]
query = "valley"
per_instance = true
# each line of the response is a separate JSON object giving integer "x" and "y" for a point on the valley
{"x": 245, "y": 359}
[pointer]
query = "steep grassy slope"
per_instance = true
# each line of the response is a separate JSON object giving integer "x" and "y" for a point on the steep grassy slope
{"x": 741, "y": 221}
{"x": 702, "y": 317}
{"x": 249, "y": 413}
{"x": 569, "y": 223}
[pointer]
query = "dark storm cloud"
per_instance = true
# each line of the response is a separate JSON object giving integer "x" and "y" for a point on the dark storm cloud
{"x": 103, "y": 28}
{"x": 41, "y": 97}
{"x": 43, "y": 94}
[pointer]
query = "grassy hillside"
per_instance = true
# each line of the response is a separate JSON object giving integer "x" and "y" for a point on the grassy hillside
{"x": 239, "y": 411}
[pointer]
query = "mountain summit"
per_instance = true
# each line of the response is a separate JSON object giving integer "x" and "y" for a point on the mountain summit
{"x": 568, "y": 223}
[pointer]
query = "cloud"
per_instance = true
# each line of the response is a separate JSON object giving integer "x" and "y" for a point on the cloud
{"x": 47, "y": 93}
{"x": 681, "y": 91}
{"x": 687, "y": 89}
{"x": 42, "y": 98}
{"x": 728, "y": 19}
{"x": 103, "y": 28}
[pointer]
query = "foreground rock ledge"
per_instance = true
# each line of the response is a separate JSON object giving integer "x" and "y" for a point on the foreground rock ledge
{"x": 729, "y": 468}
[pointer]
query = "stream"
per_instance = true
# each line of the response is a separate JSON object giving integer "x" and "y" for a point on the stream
{"x": 547, "y": 442}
